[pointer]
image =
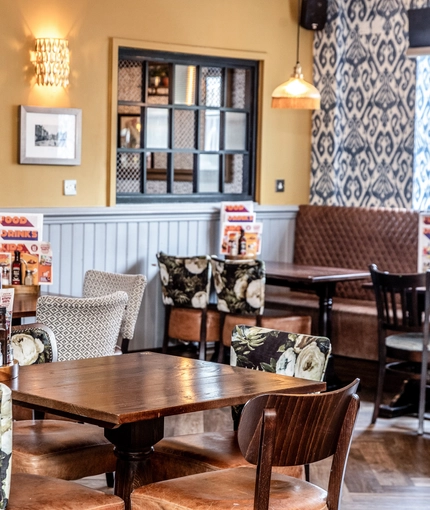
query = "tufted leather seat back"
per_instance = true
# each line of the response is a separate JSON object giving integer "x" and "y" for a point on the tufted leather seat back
{"x": 354, "y": 237}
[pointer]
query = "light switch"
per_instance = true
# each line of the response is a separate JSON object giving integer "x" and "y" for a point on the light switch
{"x": 69, "y": 187}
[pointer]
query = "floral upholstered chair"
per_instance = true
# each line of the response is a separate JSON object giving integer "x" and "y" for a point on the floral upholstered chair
{"x": 256, "y": 348}
{"x": 185, "y": 287}
{"x": 53, "y": 447}
{"x": 30, "y": 491}
{"x": 5, "y": 444}
{"x": 33, "y": 344}
{"x": 240, "y": 290}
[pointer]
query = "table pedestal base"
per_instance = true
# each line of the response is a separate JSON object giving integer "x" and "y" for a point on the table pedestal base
{"x": 133, "y": 447}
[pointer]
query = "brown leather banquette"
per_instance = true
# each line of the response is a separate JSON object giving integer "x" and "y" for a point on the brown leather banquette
{"x": 351, "y": 237}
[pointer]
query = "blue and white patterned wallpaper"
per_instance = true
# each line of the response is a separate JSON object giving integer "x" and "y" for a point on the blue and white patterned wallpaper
{"x": 363, "y": 135}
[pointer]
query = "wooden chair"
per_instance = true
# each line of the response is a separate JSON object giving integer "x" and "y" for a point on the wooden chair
{"x": 258, "y": 349}
{"x": 54, "y": 447}
{"x": 185, "y": 285}
{"x": 27, "y": 492}
{"x": 99, "y": 283}
{"x": 240, "y": 290}
{"x": 319, "y": 426}
{"x": 403, "y": 305}
{"x": 83, "y": 327}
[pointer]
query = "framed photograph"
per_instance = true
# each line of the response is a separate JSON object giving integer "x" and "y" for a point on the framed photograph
{"x": 129, "y": 131}
{"x": 50, "y": 136}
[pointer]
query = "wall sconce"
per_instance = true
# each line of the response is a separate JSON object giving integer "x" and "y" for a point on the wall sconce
{"x": 51, "y": 61}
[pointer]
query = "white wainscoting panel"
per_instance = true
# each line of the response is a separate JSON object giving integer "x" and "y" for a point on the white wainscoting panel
{"x": 125, "y": 239}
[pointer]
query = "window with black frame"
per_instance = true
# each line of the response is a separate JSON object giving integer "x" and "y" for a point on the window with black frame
{"x": 186, "y": 127}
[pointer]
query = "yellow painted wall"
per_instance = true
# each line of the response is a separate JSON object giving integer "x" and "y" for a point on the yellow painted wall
{"x": 264, "y": 27}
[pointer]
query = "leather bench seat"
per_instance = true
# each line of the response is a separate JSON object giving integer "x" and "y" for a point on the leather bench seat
{"x": 349, "y": 237}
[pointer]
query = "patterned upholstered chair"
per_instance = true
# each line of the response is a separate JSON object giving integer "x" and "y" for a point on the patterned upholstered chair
{"x": 185, "y": 286}
{"x": 26, "y": 491}
{"x": 54, "y": 447}
{"x": 240, "y": 290}
{"x": 83, "y": 327}
{"x": 276, "y": 430}
{"x": 258, "y": 349}
{"x": 100, "y": 283}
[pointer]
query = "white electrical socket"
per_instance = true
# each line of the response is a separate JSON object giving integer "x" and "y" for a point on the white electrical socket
{"x": 69, "y": 187}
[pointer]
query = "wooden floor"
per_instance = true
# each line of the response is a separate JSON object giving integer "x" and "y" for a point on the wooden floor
{"x": 388, "y": 468}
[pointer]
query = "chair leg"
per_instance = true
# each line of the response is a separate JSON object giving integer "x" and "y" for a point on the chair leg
{"x": 379, "y": 389}
{"x": 166, "y": 329}
{"x": 110, "y": 480}
{"x": 202, "y": 347}
{"x": 221, "y": 343}
{"x": 124, "y": 345}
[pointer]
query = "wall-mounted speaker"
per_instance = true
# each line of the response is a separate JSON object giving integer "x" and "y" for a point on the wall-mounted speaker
{"x": 314, "y": 14}
{"x": 419, "y": 22}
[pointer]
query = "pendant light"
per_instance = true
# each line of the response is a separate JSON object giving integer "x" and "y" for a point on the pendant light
{"x": 296, "y": 92}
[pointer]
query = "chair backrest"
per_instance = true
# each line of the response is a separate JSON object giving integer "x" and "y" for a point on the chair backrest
{"x": 185, "y": 281}
{"x": 400, "y": 300}
{"x": 281, "y": 352}
{"x": 5, "y": 444}
{"x": 239, "y": 285}
{"x": 83, "y": 327}
{"x": 33, "y": 344}
{"x": 319, "y": 425}
{"x": 99, "y": 283}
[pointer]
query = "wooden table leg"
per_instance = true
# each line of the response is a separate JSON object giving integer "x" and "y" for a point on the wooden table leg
{"x": 133, "y": 446}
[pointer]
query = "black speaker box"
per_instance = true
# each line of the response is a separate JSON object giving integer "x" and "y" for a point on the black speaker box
{"x": 419, "y": 24}
{"x": 314, "y": 14}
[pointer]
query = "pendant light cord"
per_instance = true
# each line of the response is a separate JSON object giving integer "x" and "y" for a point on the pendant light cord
{"x": 299, "y": 8}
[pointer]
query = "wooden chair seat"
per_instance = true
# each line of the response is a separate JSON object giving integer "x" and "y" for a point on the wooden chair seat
{"x": 274, "y": 430}
{"x": 199, "y": 453}
{"x": 227, "y": 489}
{"x": 61, "y": 449}
{"x": 30, "y": 492}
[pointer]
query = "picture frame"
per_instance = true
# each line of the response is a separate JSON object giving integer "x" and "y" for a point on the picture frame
{"x": 50, "y": 136}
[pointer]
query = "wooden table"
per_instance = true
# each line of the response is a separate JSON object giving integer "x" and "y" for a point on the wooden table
{"x": 129, "y": 396}
{"x": 24, "y": 305}
{"x": 320, "y": 279}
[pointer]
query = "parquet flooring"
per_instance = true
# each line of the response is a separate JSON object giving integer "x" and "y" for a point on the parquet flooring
{"x": 388, "y": 467}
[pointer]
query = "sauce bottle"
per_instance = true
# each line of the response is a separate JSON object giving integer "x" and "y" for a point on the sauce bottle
{"x": 242, "y": 242}
{"x": 16, "y": 269}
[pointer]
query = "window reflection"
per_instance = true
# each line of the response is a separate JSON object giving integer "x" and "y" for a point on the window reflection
{"x": 209, "y": 173}
{"x": 157, "y": 128}
{"x": 185, "y": 85}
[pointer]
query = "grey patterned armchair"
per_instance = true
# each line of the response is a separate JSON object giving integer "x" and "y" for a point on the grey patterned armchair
{"x": 99, "y": 283}
{"x": 83, "y": 327}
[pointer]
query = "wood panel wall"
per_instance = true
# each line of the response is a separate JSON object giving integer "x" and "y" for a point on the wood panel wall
{"x": 126, "y": 240}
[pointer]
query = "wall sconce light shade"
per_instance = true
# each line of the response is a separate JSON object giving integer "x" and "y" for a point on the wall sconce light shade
{"x": 51, "y": 61}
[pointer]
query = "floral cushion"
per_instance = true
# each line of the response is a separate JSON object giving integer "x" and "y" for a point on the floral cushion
{"x": 281, "y": 352}
{"x": 5, "y": 444}
{"x": 32, "y": 346}
{"x": 185, "y": 281}
{"x": 239, "y": 286}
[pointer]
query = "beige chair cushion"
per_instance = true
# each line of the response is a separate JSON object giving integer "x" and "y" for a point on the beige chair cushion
{"x": 62, "y": 449}
{"x": 30, "y": 492}
{"x": 226, "y": 489}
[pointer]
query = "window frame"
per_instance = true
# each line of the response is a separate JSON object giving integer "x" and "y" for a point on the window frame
{"x": 250, "y": 156}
